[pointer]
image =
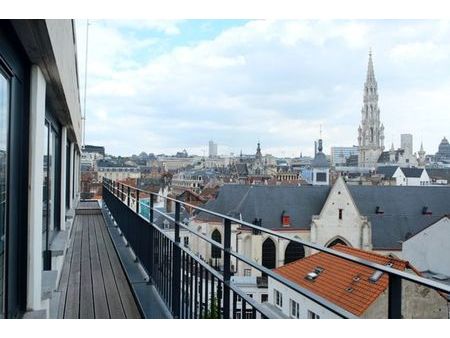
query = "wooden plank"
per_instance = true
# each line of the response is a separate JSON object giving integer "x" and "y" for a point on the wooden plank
{"x": 126, "y": 296}
{"x": 98, "y": 286}
{"x": 112, "y": 294}
{"x": 86, "y": 297}
{"x": 73, "y": 289}
{"x": 64, "y": 280}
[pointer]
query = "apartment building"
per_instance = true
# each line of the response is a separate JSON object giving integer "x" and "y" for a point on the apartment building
{"x": 40, "y": 132}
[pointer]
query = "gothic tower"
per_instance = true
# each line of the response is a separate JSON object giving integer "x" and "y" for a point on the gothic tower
{"x": 371, "y": 130}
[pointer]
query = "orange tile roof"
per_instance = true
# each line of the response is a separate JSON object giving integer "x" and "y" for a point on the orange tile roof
{"x": 338, "y": 275}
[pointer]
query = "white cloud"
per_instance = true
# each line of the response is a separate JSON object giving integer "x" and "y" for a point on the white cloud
{"x": 273, "y": 80}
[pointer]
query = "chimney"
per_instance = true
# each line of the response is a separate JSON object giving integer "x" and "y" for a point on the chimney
{"x": 285, "y": 219}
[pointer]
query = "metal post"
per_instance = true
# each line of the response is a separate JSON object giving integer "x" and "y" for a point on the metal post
{"x": 151, "y": 240}
{"x": 137, "y": 201}
{"x": 226, "y": 268}
{"x": 128, "y": 196}
{"x": 395, "y": 297}
{"x": 176, "y": 273}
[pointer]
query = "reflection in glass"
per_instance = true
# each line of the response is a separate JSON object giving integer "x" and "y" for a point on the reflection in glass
{"x": 45, "y": 194}
{"x": 4, "y": 122}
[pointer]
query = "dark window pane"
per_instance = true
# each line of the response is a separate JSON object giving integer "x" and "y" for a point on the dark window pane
{"x": 4, "y": 123}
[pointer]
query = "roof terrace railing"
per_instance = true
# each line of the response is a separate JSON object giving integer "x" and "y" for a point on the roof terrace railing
{"x": 191, "y": 288}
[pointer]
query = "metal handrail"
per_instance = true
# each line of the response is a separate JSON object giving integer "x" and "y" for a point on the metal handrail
{"x": 395, "y": 275}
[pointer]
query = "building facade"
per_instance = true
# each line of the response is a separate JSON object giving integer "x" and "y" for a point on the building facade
{"x": 40, "y": 134}
{"x": 340, "y": 155}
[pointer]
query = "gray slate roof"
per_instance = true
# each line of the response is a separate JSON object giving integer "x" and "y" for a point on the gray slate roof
{"x": 268, "y": 203}
{"x": 412, "y": 172}
{"x": 402, "y": 207}
{"x": 320, "y": 161}
{"x": 387, "y": 171}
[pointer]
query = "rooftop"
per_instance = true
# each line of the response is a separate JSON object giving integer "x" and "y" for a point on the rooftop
{"x": 342, "y": 282}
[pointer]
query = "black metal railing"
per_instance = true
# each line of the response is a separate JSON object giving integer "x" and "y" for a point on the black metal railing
{"x": 191, "y": 288}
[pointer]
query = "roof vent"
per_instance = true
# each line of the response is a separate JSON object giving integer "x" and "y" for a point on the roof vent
{"x": 311, "y": 276}
{"x": 426, "y": 211}
{"x": 314, "y": 274}
{"x": 379, "y": 210}
{"x": 377, "y": 274}
{"x": 349, "y": 289}
{"x": 318, "y": 270}
{"x": 357, "y": 278}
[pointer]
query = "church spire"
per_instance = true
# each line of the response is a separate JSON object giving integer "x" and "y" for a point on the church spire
{"x": 370, "y": 71}
{"x": 371, "y": 130}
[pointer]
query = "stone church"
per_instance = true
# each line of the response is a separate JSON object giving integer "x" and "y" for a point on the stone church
{"x": 374, "y": 218}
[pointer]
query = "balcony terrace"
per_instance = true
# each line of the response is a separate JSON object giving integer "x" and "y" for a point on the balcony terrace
{"x": 120, "y": 263}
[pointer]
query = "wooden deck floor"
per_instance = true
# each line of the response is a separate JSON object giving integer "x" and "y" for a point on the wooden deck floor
{"x": 93, "y": 283}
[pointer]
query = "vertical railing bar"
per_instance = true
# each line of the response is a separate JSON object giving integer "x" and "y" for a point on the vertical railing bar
{"x": 183, "y": 281}
{"x": 206, "y": 293}
{"x": 137, "y": 202}
{"x": 226, "y": 268}
{"x": 196, "y": 290}
{"x": 213, "y": 298}
{"x": 243, "y": 308}
{"x": 234, "y": 304}
{"x": 177, "y": 258}
{"x": 191, "y": 293}
{"x": 201, "y": 292}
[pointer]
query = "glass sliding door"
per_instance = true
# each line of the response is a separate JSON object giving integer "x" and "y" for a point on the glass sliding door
{"x": 4, "y": 124}
{"x": 51, "y": 186}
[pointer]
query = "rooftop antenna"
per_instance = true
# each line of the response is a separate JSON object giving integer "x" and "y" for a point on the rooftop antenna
{"x": 320, "y": 131}
{"x": 85, "y": 83}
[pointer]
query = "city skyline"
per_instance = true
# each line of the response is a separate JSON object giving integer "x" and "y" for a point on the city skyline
{"x": 237, "y": 82}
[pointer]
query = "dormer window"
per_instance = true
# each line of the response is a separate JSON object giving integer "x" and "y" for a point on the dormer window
{"x": 426, "y": 211}
{"x": 379, "y": 210}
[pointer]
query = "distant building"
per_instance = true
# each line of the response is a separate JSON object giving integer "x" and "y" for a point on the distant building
{"x": 412, "y": 177}
{"x": 443, "y": 154}
{"x": 118, "y": 173}
{"x": 340, "y": 155}
{"x": 212, "y": 149}
{"x": 94, "y": 149}
{"x": 319, "y": 172}
{"x": 406, "y": 143}
{"x": 371, "y": 130}
{"x": 351, "y": 286}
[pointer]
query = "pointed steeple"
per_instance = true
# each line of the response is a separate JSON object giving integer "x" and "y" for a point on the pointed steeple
{"x": 258, "y": 151}
{"x": 370, "y": 131}
{"x": 370, "y": 71}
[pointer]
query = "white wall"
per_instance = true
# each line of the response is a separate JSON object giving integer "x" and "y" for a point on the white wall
{"x": 305, "y": 304}
{"x": 430, "y": 248}
{"x": 352, "y": 228}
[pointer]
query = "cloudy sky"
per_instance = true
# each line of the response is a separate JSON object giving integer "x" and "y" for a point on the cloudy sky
{"x": 165, "y": 86}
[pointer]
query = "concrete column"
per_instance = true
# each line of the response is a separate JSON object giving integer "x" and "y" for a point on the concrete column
{"x": 63, "y": 177}
{"x": 71, "y": 187}
{"x": 35, "y": 194}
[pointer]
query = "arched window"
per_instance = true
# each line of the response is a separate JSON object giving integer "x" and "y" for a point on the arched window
{"x": 294, "y": 251}
{"x": 337, "y": 240}
{"x": 268, "y": 254}
{"x": 215, "y": 251}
